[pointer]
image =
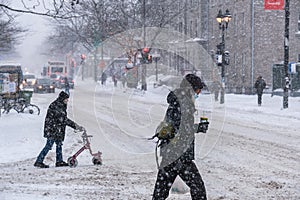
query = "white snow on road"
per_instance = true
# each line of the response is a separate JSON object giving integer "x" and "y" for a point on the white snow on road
{"x": 249, "y": 152}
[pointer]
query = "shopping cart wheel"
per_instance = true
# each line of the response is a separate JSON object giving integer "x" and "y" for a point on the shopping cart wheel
{"x": 97, "y": 161}
{"x": 72, "y": 162}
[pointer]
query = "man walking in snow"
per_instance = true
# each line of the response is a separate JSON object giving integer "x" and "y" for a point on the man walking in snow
{"x": 54, "y": 130}
{"x": 260, "y": 85}
{"x": 177, "y": 147}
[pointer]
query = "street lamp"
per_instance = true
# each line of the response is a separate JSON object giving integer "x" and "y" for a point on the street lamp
{"x": 156, "y": 58}
{"x": 222, "y": 55}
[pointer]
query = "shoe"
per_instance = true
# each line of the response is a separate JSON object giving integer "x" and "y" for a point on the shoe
{"x": 61, "y": 164}
{"x": 40, "y": 165}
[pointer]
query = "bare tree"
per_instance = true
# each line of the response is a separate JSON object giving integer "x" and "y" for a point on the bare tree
{"x": 53, "y": 9}
{"x": 103, "y": 19}
{"x": 11, "y": 32}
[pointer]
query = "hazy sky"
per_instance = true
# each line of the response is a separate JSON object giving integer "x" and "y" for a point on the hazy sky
{"x": 29, "y": 49}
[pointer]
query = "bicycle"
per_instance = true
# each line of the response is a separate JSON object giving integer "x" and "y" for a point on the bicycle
{"x": 20, "y": 105}
{"x": 23, "y": 106}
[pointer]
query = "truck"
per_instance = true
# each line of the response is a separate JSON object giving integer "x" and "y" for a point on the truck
{"x": 54, "y": 67}
{"x": 11, "y": 76}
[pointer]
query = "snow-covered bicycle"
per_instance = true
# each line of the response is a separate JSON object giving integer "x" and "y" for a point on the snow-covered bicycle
{"x": 20, "y": 105}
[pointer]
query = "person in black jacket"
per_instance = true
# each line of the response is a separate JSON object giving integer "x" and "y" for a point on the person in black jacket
{"x": 260, "y": 85}
{"x": 177, "y": 151}
{"x": 54, "y": 130}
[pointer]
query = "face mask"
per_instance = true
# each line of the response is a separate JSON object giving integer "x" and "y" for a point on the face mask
{"x": 196, "y": 96}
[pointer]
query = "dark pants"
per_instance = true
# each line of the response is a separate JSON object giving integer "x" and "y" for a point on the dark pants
{"x": 48, "y": 147}
{"x": 216, "y": 95}
{"x": 259, "y": 97}
{"x": 188, "y": 172}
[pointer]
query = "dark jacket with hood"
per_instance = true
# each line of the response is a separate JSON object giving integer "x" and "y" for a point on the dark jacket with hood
{"x": 180, "y": 114}
{"x": 56, "y": 119}
{"x": 260, "y": 85}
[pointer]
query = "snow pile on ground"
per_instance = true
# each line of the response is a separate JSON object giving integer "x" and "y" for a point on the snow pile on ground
{"x": 249, "y": 152}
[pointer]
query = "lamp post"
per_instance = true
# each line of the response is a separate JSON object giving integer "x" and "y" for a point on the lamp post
{"x": 156, "y": 58}
{"x": 286, "y": 55}
{"x": 223, "y": 58}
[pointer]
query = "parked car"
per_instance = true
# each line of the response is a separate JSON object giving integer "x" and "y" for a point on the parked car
{"x": 29, "y": 80}
{"x": 61, "y": 82}
{"x": 44, "y": 85}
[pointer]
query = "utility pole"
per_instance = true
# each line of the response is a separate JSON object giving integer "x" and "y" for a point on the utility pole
{"x": 286, "y": 55}
{"x": 144, "y": 66}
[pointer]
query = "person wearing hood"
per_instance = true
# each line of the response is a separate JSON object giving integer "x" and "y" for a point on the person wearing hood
{"x": 177, "y": 151}
{"x": 54, "y": 130}
{"x": 259, "y": 85}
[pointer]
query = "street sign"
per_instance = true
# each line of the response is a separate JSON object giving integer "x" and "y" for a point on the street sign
{"x": 292, "y": 68}
{"x": 274, "y": 4}
{"x": 101, "y": 64}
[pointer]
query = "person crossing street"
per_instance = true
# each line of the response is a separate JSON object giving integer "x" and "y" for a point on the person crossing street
{"x": 54, "y": 130}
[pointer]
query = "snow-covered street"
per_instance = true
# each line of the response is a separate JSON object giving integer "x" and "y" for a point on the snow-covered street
{"x": 249, "y": 152}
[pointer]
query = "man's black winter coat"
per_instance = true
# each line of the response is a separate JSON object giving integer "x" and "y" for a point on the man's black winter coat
{"x": 56, "y": 121}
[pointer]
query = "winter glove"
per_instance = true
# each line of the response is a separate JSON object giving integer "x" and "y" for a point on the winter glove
{"x": 165, "y": 131}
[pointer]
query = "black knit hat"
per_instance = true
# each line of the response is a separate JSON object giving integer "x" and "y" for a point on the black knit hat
{"x": 63, "y": 95}
{"x": 195, "y": 81}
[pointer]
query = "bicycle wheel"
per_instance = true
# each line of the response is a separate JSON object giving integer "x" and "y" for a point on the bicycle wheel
{"x": 19, "y": 107}
{"x": 31, "y": 109}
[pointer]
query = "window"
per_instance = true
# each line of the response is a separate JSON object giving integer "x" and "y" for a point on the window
{"x": 196, "y": 28}
{"x": 191, "y": 29}
{"x": 243, "y": 24}
{"x": 235, "y": 18}
{"x": 299, "y": 22}
{"x": 180, "y": 27}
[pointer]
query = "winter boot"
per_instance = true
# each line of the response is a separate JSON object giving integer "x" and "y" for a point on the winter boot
{"x": 40, "y": 165}
{"x": 61, "y": 164}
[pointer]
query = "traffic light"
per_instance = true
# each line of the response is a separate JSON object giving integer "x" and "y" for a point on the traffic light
{"x": 146, "y": 56}
{"x": 226, "y": 58}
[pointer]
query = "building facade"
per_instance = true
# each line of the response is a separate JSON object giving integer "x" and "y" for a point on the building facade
{"x": 254, "y": 37}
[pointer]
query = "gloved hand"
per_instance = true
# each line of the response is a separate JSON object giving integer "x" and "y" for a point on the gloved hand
{"x": 203, "y": 125}
{"x": 165, "y": 131}
{"x": 79, "y": 128}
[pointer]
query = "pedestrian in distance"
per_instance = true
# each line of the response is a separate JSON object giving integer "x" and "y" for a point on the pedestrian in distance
{"x": 259, "y": 85}
{"x": 216, "y": 86}
{"x": 114, "y": 79}
{"x": 177, "y": 141}
{"x": 67, "y": 85}
{"x": 54, "y": 130}
{"x": 103, "y": 78}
